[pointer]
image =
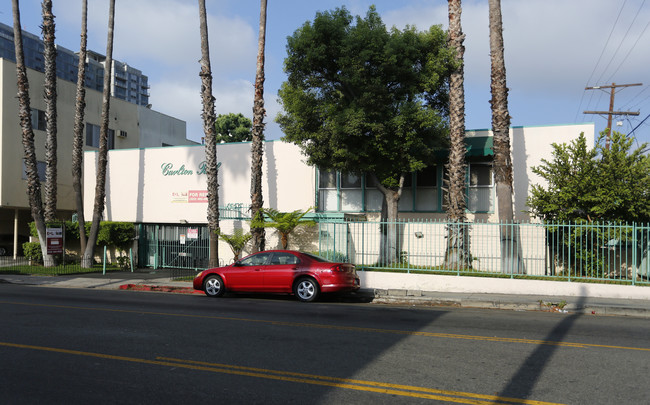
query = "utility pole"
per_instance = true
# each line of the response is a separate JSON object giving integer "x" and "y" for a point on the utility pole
{"x": 611, "y": 111}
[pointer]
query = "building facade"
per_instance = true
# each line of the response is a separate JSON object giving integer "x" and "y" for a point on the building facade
{"x": 168, "y": 185}
{"x": 132, "y": 124}
{"x": 127, "y": 83}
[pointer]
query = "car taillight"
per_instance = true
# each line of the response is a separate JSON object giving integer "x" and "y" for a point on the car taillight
{"x": 338, "y": 267}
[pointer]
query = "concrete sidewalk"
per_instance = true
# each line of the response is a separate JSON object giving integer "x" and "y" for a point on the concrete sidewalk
{"x": 159, "y": 280}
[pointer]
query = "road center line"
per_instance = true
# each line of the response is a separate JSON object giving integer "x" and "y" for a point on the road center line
{"x": 348, "y": 328}
{"x": 358, "y": 385}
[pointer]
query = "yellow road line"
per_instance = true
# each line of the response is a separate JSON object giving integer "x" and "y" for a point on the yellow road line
{"x": 360, "y": 382}
{"x": 349, "y": 328}
{"x": 358, "y": 385}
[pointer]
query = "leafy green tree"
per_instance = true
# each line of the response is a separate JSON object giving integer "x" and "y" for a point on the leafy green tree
{"x": 364, "y": 99}
{"x": 237, "y": 241}
{"x": 233, "y": 128}
{"x": 593, "y": 184}
{"x": 286, "y": 222}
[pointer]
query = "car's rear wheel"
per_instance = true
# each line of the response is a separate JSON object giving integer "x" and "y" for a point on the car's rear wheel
{"x": 213, "y": 286}
{"x": 306, "y": 289}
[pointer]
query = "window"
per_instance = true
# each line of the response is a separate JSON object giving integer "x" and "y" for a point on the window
{"x": 38, "y": 119}
{"x": 351, "y": 193}
{"x": 480, "y": 194}
{"x": 426, "y": 181}
{"x": 259, "y": 259}
{"x": 359, "y": 193}
{"x": 327, "y": 191}
{"x": 92, "y": 136}
{"x": 40, "y": 167}
{"x": 284, "y": 258}
{"x": 374, "y": 197}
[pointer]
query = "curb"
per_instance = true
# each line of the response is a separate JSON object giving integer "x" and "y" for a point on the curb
{"x": 158, "y": 288}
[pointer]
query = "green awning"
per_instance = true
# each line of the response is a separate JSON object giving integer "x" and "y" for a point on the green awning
{"x": 479, "y": 146}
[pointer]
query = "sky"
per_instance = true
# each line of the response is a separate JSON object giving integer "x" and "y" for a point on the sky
{"x": 553, "y": 50}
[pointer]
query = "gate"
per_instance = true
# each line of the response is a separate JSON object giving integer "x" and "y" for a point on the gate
{"x": 173, "y": 246}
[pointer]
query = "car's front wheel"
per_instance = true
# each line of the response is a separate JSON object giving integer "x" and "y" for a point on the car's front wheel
{"x": 306, "y": 289}
{"x": 213, "y": 286}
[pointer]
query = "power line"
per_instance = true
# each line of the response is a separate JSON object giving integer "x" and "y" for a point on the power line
{"x": 599, "y": 58}
{"x": 632, "y": 131}
{"x": 621, "y": 43}
{"x": 629, "y": 52}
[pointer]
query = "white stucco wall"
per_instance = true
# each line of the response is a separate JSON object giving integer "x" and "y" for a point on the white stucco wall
{"x": 139, "y": 189}
{"x": 529, "y": 146}
{"x": 166, "y": 185}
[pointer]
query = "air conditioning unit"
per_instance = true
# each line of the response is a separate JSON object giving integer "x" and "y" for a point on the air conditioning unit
{"x": 121, "y": 134}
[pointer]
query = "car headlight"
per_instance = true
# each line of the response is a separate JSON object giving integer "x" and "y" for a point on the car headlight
{"x": 198, "y": 275}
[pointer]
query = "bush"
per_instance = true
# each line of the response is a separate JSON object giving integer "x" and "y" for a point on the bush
{"x": 33, "y": 251}
{"x": 118, "y": 234}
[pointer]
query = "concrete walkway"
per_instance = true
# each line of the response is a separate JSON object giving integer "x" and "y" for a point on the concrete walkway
{"x": 159, "y": 280}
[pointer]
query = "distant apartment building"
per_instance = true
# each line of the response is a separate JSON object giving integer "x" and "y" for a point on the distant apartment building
{"x": 132, "y": 124}
{"x": 127, "y": 84}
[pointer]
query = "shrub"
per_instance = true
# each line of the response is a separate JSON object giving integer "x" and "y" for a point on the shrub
{"x": 33, "y": 252}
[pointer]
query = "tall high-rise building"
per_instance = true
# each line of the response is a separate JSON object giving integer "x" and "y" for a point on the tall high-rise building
{"x": 127, "y": 84}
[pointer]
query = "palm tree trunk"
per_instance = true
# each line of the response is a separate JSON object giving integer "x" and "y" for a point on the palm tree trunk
{"x": 102, "y": 158}
{"x": 510, "y": 256}
{"x": 78, "y": 141}
{"x": 50, "y": 112}
{"x": 458, "y": 249}
{"x": 257, "y": 146}
{"x": 24, "y": 113}
{"x": 209, "y": 129}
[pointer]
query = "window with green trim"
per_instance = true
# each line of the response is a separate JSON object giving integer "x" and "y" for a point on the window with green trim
{"x": 347, "y": 192}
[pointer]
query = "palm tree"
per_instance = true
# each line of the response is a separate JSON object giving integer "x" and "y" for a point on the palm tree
{"x": 102, "y": 158}
{"x": 209, "y": 119}
{"x": 237, "y": 241}
{"x": 50, "y": 111}
{"x": 24, "y": 113}
{"x": 511, "y": 262}
{"x": 458, "y": 249}
{"x": 78, "y": 141}
{"x": 286, "y": 222}
{"x": 257, "y": 146}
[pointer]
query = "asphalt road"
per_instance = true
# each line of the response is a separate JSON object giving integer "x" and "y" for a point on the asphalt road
{"x": 80, "y": 346}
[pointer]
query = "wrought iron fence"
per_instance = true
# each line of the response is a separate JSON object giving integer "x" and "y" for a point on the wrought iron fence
{"x": 589, "y": 251}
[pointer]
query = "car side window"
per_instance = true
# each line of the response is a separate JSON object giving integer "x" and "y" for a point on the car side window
{"x": 284, "y": 258}
{"x": 256, "y": 260}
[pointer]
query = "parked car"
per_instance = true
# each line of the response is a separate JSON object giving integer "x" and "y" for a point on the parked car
{"x": 279, "y": 271}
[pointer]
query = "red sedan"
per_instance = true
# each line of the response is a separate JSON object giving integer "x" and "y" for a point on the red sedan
{"x": 279, "y": 271}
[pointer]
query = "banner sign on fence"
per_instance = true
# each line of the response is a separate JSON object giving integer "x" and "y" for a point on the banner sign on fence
{"x": 193, "y": 233}
{"x": 54, "y": 237}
